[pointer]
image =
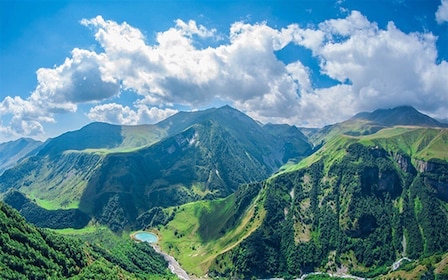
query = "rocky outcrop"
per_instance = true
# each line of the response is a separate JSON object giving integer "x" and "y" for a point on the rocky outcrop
{"x": 429, "y": 166}
{"x": 436, "y": 176}
{"x": 404, "y": 162}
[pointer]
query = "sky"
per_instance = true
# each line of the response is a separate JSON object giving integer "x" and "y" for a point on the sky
{"x": 64, "y": 64}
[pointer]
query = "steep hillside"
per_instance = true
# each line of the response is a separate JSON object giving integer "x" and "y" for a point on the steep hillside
{"x": 359, "y": 205}
{"x": 56, "y": 181}
{"x": 198, "y": 233}
{"x": 27, "y": 252}
{"x": 295, "y": 145}
{"x": 204, "y": 161}
{"x": 115, "y": 173}
{"x": 11, "y": 153}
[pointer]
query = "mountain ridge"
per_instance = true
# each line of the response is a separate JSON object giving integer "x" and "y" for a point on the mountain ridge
{"x": 13, "y": 152}
{"x": 208, "y": 178}
{"x": 401, "y": 115}
{"x": 101, "y": 168}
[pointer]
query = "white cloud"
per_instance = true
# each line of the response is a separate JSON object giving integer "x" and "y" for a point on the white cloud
{"x": 78, "y": 80}
{"x": 374, "y": 68}
{"x": 442, "y": 12}
{"x": 119, "y": 114}
{"x": 191, "y": 28}
{"x": 384, "y": 68}
{"x": 244, "y": 72}
{"x": 113, "y": 113}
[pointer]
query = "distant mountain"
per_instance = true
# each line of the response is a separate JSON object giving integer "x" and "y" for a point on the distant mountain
{"x": 102, "y": 136}
{"x": 403, "y": 115}
{"x": 366, "y": 123}
{"x": 11, "y": 153}
{"x": 295, "y": 144}
{"x": 115, "y": 173}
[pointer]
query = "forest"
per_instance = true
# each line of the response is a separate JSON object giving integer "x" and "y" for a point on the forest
{"x": 362, "y": 212}
{"x": 28, "y": 252}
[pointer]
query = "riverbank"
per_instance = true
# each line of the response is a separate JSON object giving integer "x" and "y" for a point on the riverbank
{"x": 173, "y": 265}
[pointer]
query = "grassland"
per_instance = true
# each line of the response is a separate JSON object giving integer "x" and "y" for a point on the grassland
{"x": 201, "y": 231}
{"x": 417, "y": 142}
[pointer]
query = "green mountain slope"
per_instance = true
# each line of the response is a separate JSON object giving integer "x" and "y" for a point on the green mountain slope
{"x": 203, "y": 161}
{"x": 361, "y": 203}
{"x": 197, "y": 234}
{"x": 366, "y": 123}
{"x": 358, "y": 204}
{"x": 27, "y": 252}
{"x": 116, "y": 173}
{"x": 103, "y": 136}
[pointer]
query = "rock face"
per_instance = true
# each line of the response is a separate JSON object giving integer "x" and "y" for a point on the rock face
{"x": 436, "y": 176}
{"x": 429, "y": 166}
{"x": 404, "y": 162}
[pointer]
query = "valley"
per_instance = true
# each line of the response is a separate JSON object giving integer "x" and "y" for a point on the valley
{"x": 229, "y": 197}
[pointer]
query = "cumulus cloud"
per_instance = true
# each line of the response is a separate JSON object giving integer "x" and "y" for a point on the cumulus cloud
{"x": 371, "y": 67}
{"x": 244, "y": 72}
{"x": 59, "y": 90}
{"x": 384, "y": 68}
{"x": 442, "y": 12}
{"x": 119, "y": 114}
{"x": 375, "y": 68}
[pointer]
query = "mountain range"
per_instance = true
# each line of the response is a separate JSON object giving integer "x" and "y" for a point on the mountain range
{"x": 230, "y": 197}
{"x": 114, "y": 173}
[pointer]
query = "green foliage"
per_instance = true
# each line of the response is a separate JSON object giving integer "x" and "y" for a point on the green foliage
{"x": 56, "y": 219}
{"x": 360, "y": 205}
{"x": 27, "y": 252}
{"x": 116, "y": 173}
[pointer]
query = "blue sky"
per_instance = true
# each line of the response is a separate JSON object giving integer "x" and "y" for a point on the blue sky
{"x": 64, "y": 64}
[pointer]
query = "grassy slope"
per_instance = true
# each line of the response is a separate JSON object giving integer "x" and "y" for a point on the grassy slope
{"x": 60, "y": 184}
{"x": 199, "y": 232}
{"x": 419, "y": 143}
{"x": 416, "y": 142}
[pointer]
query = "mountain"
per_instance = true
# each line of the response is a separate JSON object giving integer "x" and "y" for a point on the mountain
{"x": 358, "y": 204}
{"x": 28, "y": 252}
{"x": 403, "y": 115}
{"x": 366, "y": 123}
{"x": 362, "y": 211}
{"x": 116, "y": 173}
{"x": 295, "y": 143}
{"x": 102, "y": 136}
{"x": 371, "y": 194}
{"x": 13, "y": 152}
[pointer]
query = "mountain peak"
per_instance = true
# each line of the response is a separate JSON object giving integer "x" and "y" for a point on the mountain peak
{"x": 401, "y": 115}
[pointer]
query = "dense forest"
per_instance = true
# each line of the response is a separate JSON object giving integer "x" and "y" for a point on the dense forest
{"x": 28, "y": 252}
{"x": 363, "y": 211}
